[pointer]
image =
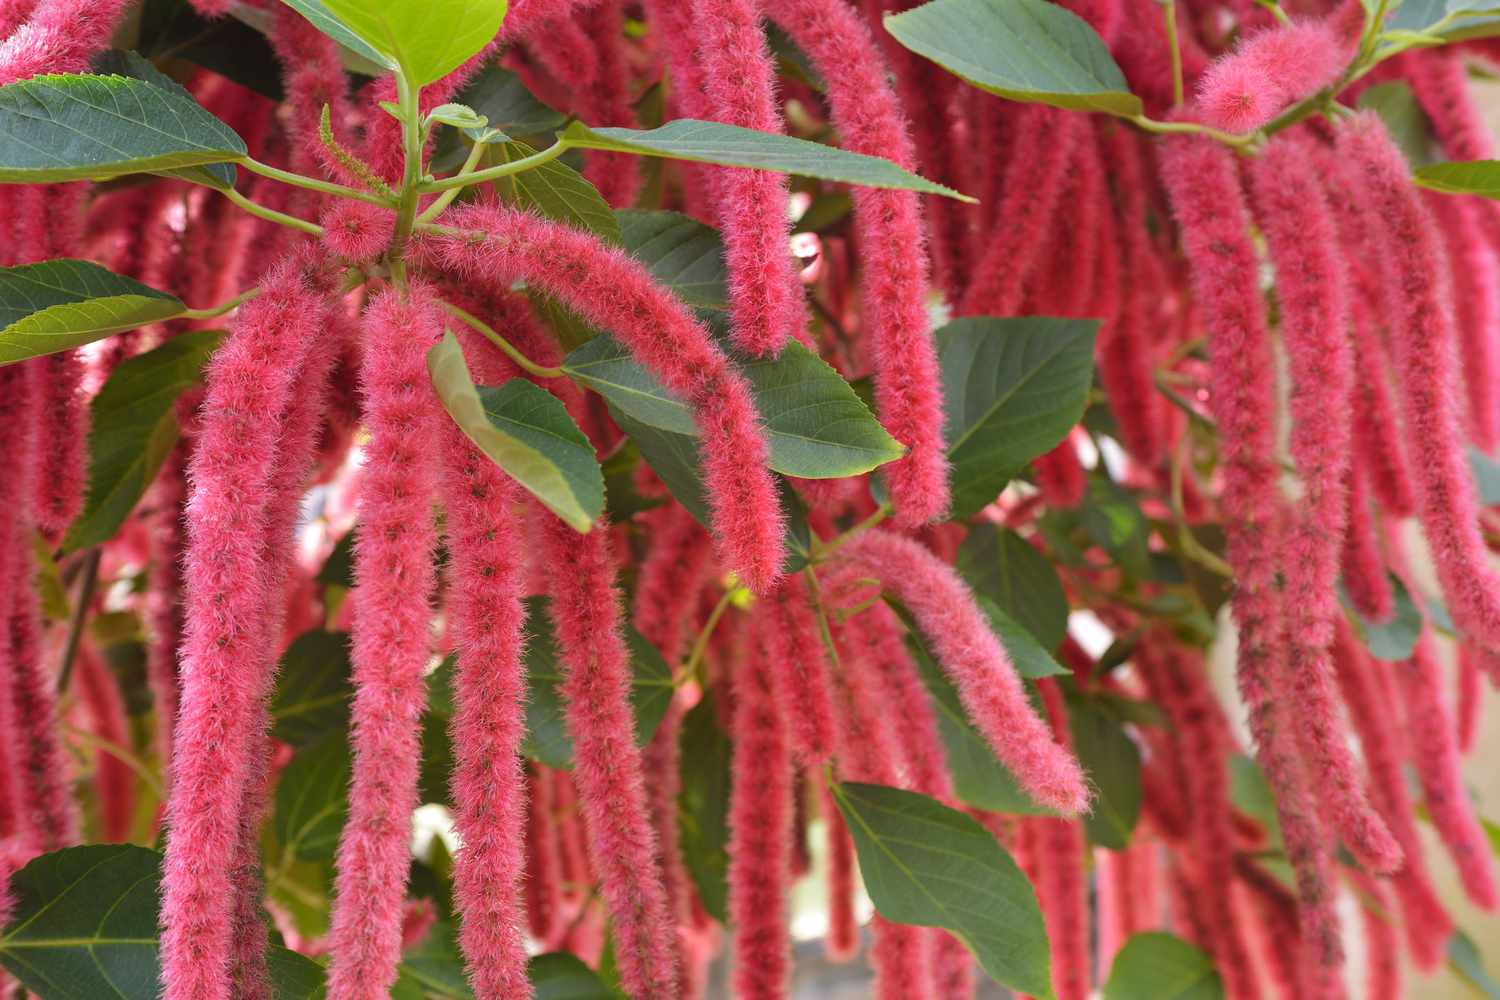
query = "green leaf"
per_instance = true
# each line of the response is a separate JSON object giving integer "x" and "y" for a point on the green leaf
{"x": 1159, "y": 966}
{"x": 310, "y": 799}
{"x": 1113, "y": 764}
{"x": 215, "y": 175}
{"x": 58, "y": 304}
{"x": 1465, "y": 959}
{"x": 979, "y": 778}
{"x": 1394, "y": 640}
{"x": 69, "y": 127}
{"x": 559, "y": 975}
{"x": 556, "y": 191}
{"x": 1026, "y": 654}
{"x": 1000, "y": 565}
{"x": 1481, "y": 177}
{"x": 437, "y": 748}
{"x": 1012, "y": 389}
{"x": 547, "y": 738}
{"x": 317, "y": 12}
{"x": 527, "y": 432}
{"x": 680, "y": 252}
{"x": 1405, "y": 120}
{"x": 926, "y": 864}
{"x": 1023, "y": 50}
{"x": 132, "y": 428}
{"x": 817, "y": 427}
{"x": 501, "y": 97}
{"x": 313, "y": 692}
{"x": 703, "y": 806}
{"x": 338, "y": 568}
{"x": 427, "y": 39}
{"x": 1251, "y": 794}
{"x": 85, "y": 928}
{"x": 1114, "y": 521}
{"x": 732, "y": 146}
{"x": 434, "y": 969}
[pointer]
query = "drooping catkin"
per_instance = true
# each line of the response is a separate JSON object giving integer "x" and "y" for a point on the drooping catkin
{"x": 799, "y": 669}
{"x": 739, "y": 85}
{"x": 1311, "y": 290}
{"x": 607, "y": 763}
{"x": 394, "y": 578}
{"x": 615, "y": 293}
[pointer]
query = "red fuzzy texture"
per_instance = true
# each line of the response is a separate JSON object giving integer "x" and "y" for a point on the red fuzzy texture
{"x": 908, "y": 385}
{"x": 1476, "y": 303}
{"x": 484, "y": 601}
{"x": 615, "y": 293}
{"x": 976, "y": 662}
{"x": 765, "y": 297}
{"x": 357, "y": 230}
{"x": 604, "y": 99}
{"x": 1062, "y": 889}
{"x": 114, "y": 781}
{"x": 1423, "y": 339}
{"x": 1383, "y": 975}
{"x": 1126, "y": 893}
{"x": 607, "y": 763}
{"x": 1043, "y": 144}
{"x": 1361, "y": 565}
{"x": 1061, "y": 477}
{"x": 799, "y": 671}
{"x": 60, "y": 36}
{"x": 543, "y": 860}
{"x": 391, "y": 644}
{"x": 1439, "y": 769}
{"x": 1470, "y": 697}
{"x": 1202, "y": 182}
{"x": 1273, "y": 69}
{"x": 1310, "y": 285}
{"x": 671, "y": 577}
{"x": 226, "y": 602}
{"x": 1369, "y": 691}
{"x": 526, "y": 16}
{"x": 759, "y": 834}
{"x": 841, "y": 942}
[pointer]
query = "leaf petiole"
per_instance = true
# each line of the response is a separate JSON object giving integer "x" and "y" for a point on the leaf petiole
{"x": 310, "y": 183}
{"x": 511, "y": 351}
{"x": 462, "y": 180}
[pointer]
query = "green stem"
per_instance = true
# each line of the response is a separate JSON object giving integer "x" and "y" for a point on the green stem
{"x": 271, "y": 214}
{"x": 525, "y": 163}
{"x": 823, "y": 551}
{"x": 214, "y": 311}
{"x": 1174, "y": 49}
{"x": 541, "y": 371}
{"x": 824, "y": 631}
{"x": 1193, "y": 128}
{"x": 118, "y": 752}
{"x": 310, "y": 183}
{"x": 446, "y": 199}
{"x": 86, "y": 589}
{"x": 406, "y": 210}
{"x": 700, "y": 644}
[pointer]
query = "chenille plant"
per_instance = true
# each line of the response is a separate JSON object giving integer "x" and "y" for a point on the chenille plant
{"x": 494, "y": 497}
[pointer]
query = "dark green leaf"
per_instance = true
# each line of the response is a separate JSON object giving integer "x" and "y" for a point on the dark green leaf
{"x": 311, "y": 799}
{"x": 681, "y": 253}
{"x": 1113, "y": 765}
{"x": 437, "y": 748}
{"x": 313, "y": 690}
{"x": 1468, "y": 962}
{"x": 434, "y": 969}
{"x": 926, "y": 864}
{"x": 732, "y": 146}
{"x": 547, "y": 738}
{"x": 1012, "y": 389}
{"x": 559, "y": 975}
{"x": 85, "y": 928}
{"x": 58, "y": 304}
{"x": 1159, "y": 966}
{"x": 214, "y": 175}
{"x": 1251, "y": 794}
{"x": 226, "y": 45}
{"x": 132, "y": 428}
{"x": 556, "y": 191}
{"x": 817, "y": 427}
{"x": 527, "y": 432}
{"x": 428, "y": 39}
{"x": 1026, "y": 654}
{"x": 1000, "y": 565}
{"x": 1023, "y": 50}
{"x": 1393, "y": 640}
{"x": 622, "y": 500}
{"x": 1405, "y": 120}
{"x": 338, "y": 568}
{"x": 1113, "y": 519}
{"x": 703, "y": 807}
{"x": 979, "y": 778}
{"x": 68, "y": 127}
{"x": 500, "y": 96}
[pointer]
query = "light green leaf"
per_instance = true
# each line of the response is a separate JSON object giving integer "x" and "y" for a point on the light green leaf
{"x": 1481, "y": 177}
{"x": 703, "y": 806}
{"x": 547, "y": 739}
{"x": 556, "y": 191}
{"x": 979, "y": 778}
{"x": 560, "y": 975}
{"x": 1012, "y": 388}
{"x": 311, "y": 798}
{"x": 1113, "y": 764}
{"x": 313, "y": 692}
{"x": 1394, "y": 640}
{"x": 317, "y": 12}
{"x": 428, "y": 39}
{"x": 85, "y": 928}
{"x": 58, "y": 304}
{"x": 732, "y": 146}
{"x": 926, "y": 864}
{"x": 1023, "y": 50}
{"x": 132, "y": 428}
{"x": 1466, "y": 960}
{"x": 817, "y": 427}
{"x": 1160, "y": 966}
{"x": 680, "y": 252}
{"x": 68, "y": 127}
{"x": 527, "y": 432}
{"x": 458, "y": 115}
{"x": 1001, "y": 566}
